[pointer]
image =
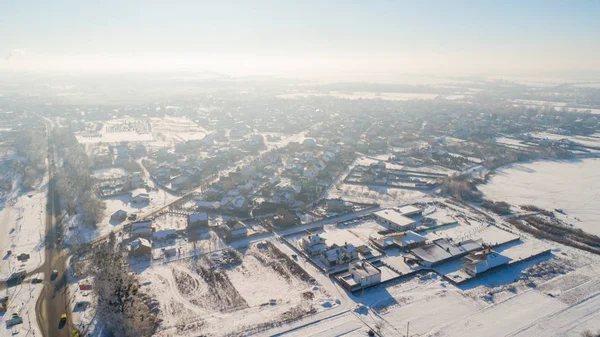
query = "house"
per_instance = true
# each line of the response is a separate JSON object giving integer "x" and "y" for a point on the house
{"x": 238, "y": 204}
{"x": 237, "y": 228}
{"x": 164, "y": 234}
{"x": 337, "y": 255}
{"x": 141, "y": 224}
{"x": 201, "y": 204}
{"x": 395, "y": 220}
{"x": 119, "y": 215}
{"x": 285, "y": 193}
{"x": 313, "y": 244}
{"x": 405, "y": 240}
{"x": 139, "y": 197}
{"x": 197, "y": 220}
{"x": 140, "y": 247}
{"x": 481, "y": 261}
{"x": 142, "y": 232}
{"x": 442, "y": 250}
{"x": 162, "y": 174}
{"x": 365, "y": 274}
{"x": 410, "y": 211}
{"x": 180, "y": 183}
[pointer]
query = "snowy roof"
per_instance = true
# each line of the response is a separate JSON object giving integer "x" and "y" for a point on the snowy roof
{"x": 485, "y": 260}
{"x": 164, "y": 233}
{"x": 449, "y": 247}
{"x": 469, "y": 245}
{"x": 394, "y": 217}
{"x": 140, "y": 242}
{"x": 198, "y": 217}
{"x": 333, "y": 254}
{"x": 313, "y": 239}
{"x": 142, "y": 224}
{"x": 431, "y": 253}
{"x": 364, "y": 269}
{"x": 208, "y": 204}
{"x": 409, "y": 209}
{"x": 408, "y": 238}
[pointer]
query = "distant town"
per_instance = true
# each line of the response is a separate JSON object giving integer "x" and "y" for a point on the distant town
{"x": 273, "y": 208}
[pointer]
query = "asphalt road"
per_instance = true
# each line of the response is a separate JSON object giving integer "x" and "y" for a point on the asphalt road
{"x": 53, "y": 301}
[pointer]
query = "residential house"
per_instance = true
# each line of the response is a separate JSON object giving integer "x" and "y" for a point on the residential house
{"x": 197, "y": 220}
{"x": 441, "y": 251}
{"x": 237, "y": 229}
{"x": 338, "y": 255}
{"x": 119, "y": 215}
{"x": 405, "y": 240}
{"x": 395, "y": 220}
{"x": 410, "y": 211}
{"x": 140, "y": 247}
{"x": 313, "y": 244}
{"x": 481, "y": 261}
{"x": 139, "y": 197}
{"x": 364, "y": 274}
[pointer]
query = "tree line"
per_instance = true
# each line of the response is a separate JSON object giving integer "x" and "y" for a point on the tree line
{"x": 73, "y": 180}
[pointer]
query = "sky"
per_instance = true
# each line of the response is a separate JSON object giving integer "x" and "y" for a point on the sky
{"x": 301, "y": 38}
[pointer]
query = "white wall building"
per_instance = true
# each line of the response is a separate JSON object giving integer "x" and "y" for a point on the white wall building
{"x": 395, "y": 220}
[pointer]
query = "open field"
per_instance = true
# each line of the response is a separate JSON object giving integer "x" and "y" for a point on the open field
{"x": 232, "y": 293}
{"x": 575, "y": 192}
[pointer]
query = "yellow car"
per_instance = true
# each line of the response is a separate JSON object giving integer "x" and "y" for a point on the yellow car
{"x": 63, "y": 318}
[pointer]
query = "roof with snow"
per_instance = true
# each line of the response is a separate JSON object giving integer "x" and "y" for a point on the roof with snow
{"x": 364, "y": 269}
{"x": 198, "y": 217}
{"x": 139, "y": 242}
{"x": 394, "y": 217}
{"x": 482, "y": 261}
{"x": 407, "y": 210}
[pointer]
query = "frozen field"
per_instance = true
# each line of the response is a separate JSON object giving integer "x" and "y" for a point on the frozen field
{"x": 573, "y": 186}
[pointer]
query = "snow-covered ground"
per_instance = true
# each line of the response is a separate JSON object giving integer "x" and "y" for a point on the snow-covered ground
{"x": 166, "y": 131}
{"x": 573, "y": 186}
{"x": 196, "y": 296}
{"x": 22, "y": 299}
{"x": 158, "y": 198}
{"x": 22, "y": 228}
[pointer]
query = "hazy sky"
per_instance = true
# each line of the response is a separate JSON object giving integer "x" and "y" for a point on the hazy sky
{"x": 301, "y": 37}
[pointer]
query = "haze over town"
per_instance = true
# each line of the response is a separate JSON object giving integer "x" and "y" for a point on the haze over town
{"x": 274, "y": 168}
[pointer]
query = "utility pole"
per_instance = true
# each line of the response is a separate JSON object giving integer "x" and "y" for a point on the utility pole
{"x": 407, "y": 326}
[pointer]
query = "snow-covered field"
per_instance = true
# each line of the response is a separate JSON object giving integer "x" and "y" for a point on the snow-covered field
{"x": 392, "y": 96}
{"x": 573, "y": 186}
{"x": 22, "y": 228}
{"x": 22, "y": 299}
{"x": 167, "y": 131}
{"x": 220, "y": 296}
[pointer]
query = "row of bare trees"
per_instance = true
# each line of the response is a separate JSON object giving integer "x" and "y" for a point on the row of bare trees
{"x": 122, "y": 306}
{"x": 73, "y": 180}
{"x": 31, "y": 144}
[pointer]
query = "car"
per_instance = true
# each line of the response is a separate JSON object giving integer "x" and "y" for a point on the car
{"x": 36, "y": 280}
{"x": 63, "y": 318}
{"x": 54, "y": 274}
